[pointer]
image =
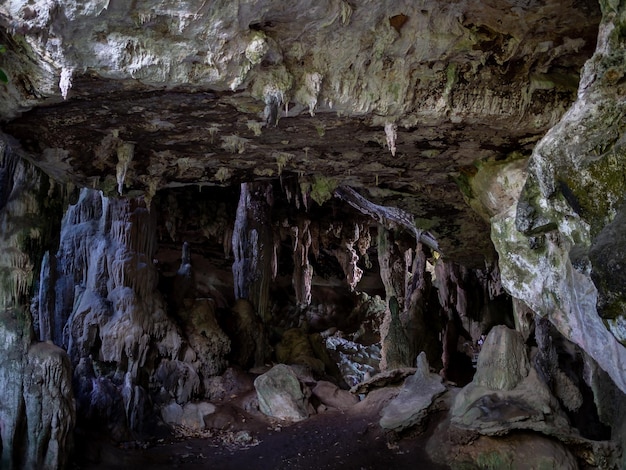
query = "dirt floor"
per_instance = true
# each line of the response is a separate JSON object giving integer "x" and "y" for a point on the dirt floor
{"x": 330, "y": 440}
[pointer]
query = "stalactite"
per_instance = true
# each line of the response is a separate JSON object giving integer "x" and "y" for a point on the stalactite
{"x": 253, "y": 246}
{"x": 392, "y": 265}
{"x": 347, "y": 256}
{"x": 391, "y": 134}
{"x": 125, "y": 154}
{"x": 303, "y": 271}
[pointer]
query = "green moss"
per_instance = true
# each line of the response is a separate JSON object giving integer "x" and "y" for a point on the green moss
{"x": 494, "y": 460}
{"x": 464, "y": 181}
{"x": 426, "y": 224}
{"x": 322, "y": 189}
{"x": 108, "y": 186}
{"x": 598, "y": 195}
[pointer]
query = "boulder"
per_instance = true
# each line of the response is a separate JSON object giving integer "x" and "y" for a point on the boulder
{"x": 331, "y": 395}
{"x": 383, "y": 379}
{"x": 515, "y": 452}
{"x": 191, "y": 416}
{"x": 280, "y": 394}
{"x": 410, "y": 406}
{"x": 503, "y": 361}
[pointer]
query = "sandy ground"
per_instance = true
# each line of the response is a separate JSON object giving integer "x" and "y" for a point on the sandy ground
{"x": 330, "y": 440}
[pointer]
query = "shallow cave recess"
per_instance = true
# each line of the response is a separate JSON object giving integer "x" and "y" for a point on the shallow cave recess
{"x": 203, "y": 219}
{"x": 327, "y": 281}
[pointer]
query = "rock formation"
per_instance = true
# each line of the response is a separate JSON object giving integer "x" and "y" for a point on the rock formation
{"x": 196, "y": 191}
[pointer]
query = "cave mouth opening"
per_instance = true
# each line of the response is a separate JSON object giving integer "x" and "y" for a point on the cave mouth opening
{"x": 204, "y": 218}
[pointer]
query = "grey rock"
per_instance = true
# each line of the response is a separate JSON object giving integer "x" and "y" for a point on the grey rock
{"x": 191, "y": 415}
{"x": 410, "y": 406}
{"x": 49, "y": 406}
{"x": 503, "y": 361}
{"x": 280, "y": 394}
{"x": 172, "y": 413}
{"x": 331, "y": 395}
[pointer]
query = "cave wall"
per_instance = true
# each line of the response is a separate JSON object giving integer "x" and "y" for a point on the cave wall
{"x": 561, "y": 241}
{"x": 559, "y": 244}
{"x": 141, "y": 335}
{"x": 37, "y": 412}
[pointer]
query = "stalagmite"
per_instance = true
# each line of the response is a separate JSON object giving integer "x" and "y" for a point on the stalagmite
{"x": 36, "y": 410}
{"x": 395, "y": 351}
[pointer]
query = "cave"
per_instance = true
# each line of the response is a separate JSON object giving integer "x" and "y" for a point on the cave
{"x": 335, "y": 234}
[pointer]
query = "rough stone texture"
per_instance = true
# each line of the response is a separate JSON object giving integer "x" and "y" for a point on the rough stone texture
{"x": 280, "y": 394}
{"x": 395, "y": 346}
{"x": 557, "y": 245}
{"x": 246, "y": 91}
{"x": 319, "y": 98}
{"x": 331, "y": 395}
{"x": 519, "y": 452}
{"x": 49, "y": 407}
{"x": 356, "y": 362}
{"x": 295, "y": 348}
{"x": 409, "y": 408}
{"x": 191, "y": 415}
{"x": 106, "y": 294}
{"x": 503, "y": 361}
{"x": 36, "y": 410}
{"x": 383, "y": 379}
{"x": 529, "y": 405}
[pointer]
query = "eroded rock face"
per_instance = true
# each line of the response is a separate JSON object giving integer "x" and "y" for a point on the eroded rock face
{"x": 559, "y": 248}
{"x": 139, "y": 349}
{"x": 503, "y": 361}
{"x": 407, "y": 102}
{"x": 371, "y": 95}
{"x": 37, "y": 407}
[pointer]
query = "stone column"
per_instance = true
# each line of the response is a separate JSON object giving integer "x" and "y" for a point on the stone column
{"x": 253, "y": 246}
{"x": 28, "y": 438}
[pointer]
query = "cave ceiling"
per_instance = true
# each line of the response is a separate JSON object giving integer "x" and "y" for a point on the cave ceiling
{"x": 396, "y": 99}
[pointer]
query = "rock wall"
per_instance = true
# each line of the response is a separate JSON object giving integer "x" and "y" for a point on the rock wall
{"x": 132, "y": 349}
{"x": 559, "y": 245}
{"x": 37, "y": 406}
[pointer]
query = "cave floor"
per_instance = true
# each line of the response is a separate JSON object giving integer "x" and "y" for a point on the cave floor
{"x": 332, "y": 439}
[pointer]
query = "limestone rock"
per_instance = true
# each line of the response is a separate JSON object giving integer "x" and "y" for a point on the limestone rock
{"x": 356, "y": 361}
{"x": 280, "y": 394}
{"x": 248, "y": 335}
{"x": 503, "y": 361}
{"x": 410, "y": 406}
{"x": 190, "y": 416}
{"x": 49, "y": 406}
{"x": 179, "y": 378}
{"x": 295, "y": 348}
{"x": 331, "y": 395}
{"x": 559, "y": 244}
{"x": 516, "y": 452}
{"x": 383, "y": 379}
{"x": 209, "y": 343}
{"x": 172, "y": 413}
